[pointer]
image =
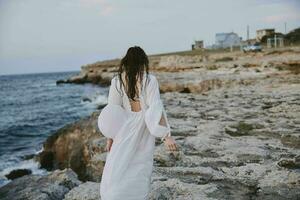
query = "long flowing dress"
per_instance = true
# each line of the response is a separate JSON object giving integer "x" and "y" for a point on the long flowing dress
{"x": 129, "y": 163}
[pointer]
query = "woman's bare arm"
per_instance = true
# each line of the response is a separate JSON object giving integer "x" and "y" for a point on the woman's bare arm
{"x": 168, "y": 139}
{"x": 109, "y": 143}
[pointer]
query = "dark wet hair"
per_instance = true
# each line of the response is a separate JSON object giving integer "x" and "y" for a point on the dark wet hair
{"x": 134, "y": 64}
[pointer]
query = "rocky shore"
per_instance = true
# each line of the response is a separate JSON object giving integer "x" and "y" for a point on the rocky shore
{"x": 235, "y": 117}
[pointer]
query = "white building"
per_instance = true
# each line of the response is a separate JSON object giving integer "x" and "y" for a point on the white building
{"x": 225, "y": 40}
{"x": 264, "y": 32}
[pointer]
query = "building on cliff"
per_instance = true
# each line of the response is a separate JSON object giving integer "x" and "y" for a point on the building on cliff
{"x": 263, "y": 33}
{"x": 199, "y": 44}
{"x": 270, "y": 38}
{"x": 225, "y": 40}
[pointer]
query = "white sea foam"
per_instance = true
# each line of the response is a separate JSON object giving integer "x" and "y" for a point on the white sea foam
{"x": 100, "y": 100}
{"x": 94, "y": 100}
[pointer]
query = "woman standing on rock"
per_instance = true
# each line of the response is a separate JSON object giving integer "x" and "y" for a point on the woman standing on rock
{"x": 133, "y": 117}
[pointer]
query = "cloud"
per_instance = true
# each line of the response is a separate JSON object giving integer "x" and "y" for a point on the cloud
{"x": 105, "y": 7}
{"x": 281, "y": 18}
{"x": 107, "y": 10}
{"x": 280, "y": 11}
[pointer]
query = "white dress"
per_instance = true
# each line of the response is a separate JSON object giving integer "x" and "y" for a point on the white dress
{"x": 129, "y": 163}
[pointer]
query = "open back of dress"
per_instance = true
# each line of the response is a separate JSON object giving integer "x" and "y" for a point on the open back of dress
{"x": 134, "y": 105}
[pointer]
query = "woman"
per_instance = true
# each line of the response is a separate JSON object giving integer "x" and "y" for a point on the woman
{"x": 135, "y": 98}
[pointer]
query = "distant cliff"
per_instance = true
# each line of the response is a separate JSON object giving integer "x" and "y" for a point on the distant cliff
{"x": 191, "y": 63}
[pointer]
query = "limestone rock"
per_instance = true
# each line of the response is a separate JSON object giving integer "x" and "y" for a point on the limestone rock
{"x": 37, "y": 187}
{"x": 237, "y": 130}
{"x": 292, "y": 140}
{"x": 75, "y": 146}
{"x": 86, "y": 191}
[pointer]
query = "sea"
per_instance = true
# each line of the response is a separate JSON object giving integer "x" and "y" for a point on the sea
{"x": 32, "y": 107}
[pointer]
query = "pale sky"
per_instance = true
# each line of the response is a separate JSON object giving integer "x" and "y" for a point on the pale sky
{"x": 62, "y": 35}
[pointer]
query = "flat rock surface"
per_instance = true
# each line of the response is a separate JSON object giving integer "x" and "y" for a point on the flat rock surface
{"x": 237, "y": 126}
{"x": 36, "y": 187}
{"x": 86, "y": 191}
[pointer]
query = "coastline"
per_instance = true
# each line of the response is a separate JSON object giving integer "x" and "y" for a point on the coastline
{"x": 33, "y": 109}
{"x": 234, "y": 115}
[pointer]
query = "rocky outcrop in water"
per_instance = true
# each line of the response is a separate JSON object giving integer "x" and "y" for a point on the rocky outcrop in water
{"x": 16, "y": 173}
{"x": 77, "y": 146}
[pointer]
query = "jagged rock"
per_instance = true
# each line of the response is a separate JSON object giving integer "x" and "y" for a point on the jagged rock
{"x": 75, "y": 146}
{"x": 178, "y": 60}
{"x": 292, "y": 140}
{"x": 101, "y": 106}
{"x": 292, "y": 66}
{"x": 224, "y": 59}
{"x": 289, "y": 163}
{"x": 86, "y": 99}
{"x": 18, "y": 173}
{"x": 279, "y": 185}
{"x": 38, "y": 187}
{"x": 163, "y": 158}
{"x": 86, "y": 191}
{"x": 78, "y": 79}
{"x": 60, "y": 81}
{"x": 247, "y": 65}
{"x": 172, "y": 87}
{"x": 239, "y": 129}
{"x": 177, "y": 190}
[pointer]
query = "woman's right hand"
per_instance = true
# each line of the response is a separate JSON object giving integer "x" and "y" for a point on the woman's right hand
{"x": 108, "y": 144}
{"x": 170, "y": 144}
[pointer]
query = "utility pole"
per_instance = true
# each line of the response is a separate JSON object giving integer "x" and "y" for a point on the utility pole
{"x": 247, "y": 32}
{"x": 284, "y": 27}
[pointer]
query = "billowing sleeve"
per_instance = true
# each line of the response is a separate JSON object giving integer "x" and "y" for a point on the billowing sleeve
{"x": 114, "y": 96}
{"x": 155, "y": 115}
{"x": 112, "y": 117}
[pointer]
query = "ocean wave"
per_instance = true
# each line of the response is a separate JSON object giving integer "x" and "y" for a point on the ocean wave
{"x": 95, "y": 99}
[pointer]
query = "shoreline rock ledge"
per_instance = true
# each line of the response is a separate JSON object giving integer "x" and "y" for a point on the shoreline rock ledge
{"x": 79, "y": 146}
{"x": 53, "y": 186}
